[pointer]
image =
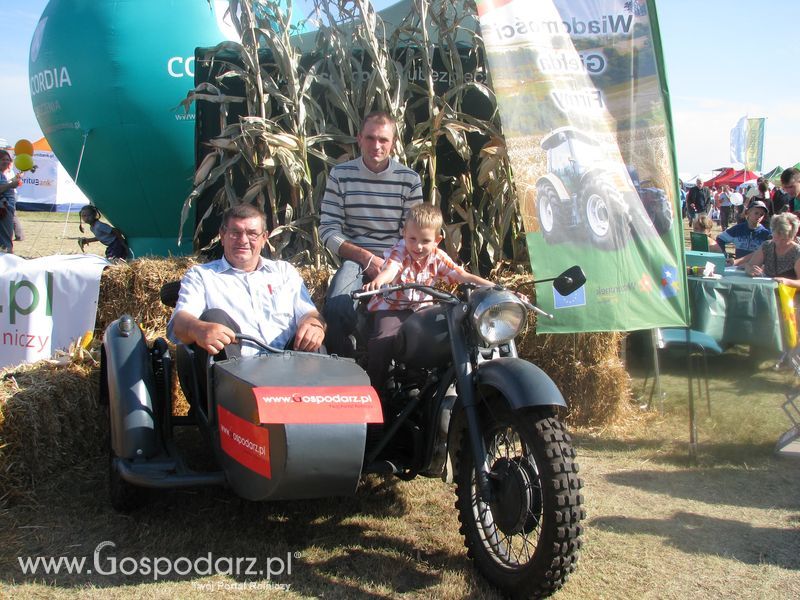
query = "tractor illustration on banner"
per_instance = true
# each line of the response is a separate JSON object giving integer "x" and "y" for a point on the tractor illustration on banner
{"x": 586, "y": 195}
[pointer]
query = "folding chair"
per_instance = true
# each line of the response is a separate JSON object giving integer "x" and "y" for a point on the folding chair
{"x": 697, "y": 345}
{"x": 789, "y": 443}
{"x": 698, "y": 241}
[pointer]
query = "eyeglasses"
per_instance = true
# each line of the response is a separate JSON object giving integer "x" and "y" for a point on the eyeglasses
{"x": 237, "y": 233}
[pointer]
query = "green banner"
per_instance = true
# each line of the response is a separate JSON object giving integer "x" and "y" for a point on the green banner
{"x": 754, "y": 144}
{"x": 582, "y": 97}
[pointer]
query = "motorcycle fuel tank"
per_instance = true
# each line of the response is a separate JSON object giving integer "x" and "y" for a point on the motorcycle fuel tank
{"x": 287, "y": 427}
{"x": 423, "y": 340}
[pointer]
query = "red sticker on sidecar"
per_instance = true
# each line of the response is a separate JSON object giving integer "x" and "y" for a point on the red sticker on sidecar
{"x": 244, "y": 442}
{"x": 318, "y": 405}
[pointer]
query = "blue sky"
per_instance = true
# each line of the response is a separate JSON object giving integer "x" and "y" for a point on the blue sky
{"x": 724, "y": 60}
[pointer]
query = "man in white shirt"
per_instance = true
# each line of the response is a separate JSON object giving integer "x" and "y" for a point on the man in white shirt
{"x": 245, "y": 293}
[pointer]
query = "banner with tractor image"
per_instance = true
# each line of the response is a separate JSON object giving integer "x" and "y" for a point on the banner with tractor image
{"x": 582, "y": 98}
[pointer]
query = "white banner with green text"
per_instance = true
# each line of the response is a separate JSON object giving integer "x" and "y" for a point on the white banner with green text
{"x": 46, "y": 304}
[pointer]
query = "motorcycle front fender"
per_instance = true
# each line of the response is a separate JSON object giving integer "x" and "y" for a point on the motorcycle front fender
{"x": 522, "y": 384}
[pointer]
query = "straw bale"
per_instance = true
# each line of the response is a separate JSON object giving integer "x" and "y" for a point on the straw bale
{"x": 133, "y": 288}
{"x": 49, "y": 419}
{"x": 316, "y": 282}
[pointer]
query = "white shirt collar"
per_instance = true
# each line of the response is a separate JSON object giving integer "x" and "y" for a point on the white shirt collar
{"x": 223, "y": 265}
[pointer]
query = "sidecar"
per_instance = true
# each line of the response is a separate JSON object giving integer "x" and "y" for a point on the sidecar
{"x": 281, "y": 426}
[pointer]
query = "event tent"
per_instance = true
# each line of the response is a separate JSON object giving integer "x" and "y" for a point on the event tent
{"x": 774, "y": 175}
{"x": 48, "y": 188}
{"x": 726, "y": 172}
{"x": 732, "y": 178}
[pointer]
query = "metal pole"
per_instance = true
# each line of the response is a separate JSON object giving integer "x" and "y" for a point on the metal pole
{"x": 692, "y": 414}
{"x": 656, "y": 374}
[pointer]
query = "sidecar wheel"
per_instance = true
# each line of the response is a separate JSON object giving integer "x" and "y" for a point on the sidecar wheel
{"x": 526, "y": 540}
{"x": 124, "y": 497}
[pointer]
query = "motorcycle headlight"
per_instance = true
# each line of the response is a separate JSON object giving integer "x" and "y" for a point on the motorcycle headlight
{"x": 498, "y": 316}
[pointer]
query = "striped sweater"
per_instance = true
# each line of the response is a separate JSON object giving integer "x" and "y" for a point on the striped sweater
{"x": 365, "y": 208}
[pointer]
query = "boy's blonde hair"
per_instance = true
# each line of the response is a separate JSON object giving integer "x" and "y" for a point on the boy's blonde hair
{"x": 426, "y": 216}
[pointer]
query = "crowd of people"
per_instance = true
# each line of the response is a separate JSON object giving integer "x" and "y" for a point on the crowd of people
{"x": 759, "y": 232}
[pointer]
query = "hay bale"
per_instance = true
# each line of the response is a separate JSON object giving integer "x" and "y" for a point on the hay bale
{"x": 133, "y": 288}
{"x": 49, "y": 417}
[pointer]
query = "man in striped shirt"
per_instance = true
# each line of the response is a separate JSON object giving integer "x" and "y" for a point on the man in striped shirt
{"x": 361, "y": 216}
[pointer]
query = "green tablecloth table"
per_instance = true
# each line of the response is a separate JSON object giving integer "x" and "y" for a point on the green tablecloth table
{"x": 737, "y": 309}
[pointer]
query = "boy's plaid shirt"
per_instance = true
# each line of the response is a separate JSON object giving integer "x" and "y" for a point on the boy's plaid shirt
{"x": 436, "y": 267}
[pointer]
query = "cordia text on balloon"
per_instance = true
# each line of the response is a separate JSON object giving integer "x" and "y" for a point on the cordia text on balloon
{"x": 49, "y": 79}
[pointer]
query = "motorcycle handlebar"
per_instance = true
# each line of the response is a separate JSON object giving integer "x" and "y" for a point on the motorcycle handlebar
{"x": 438, "y": 294}
{"x": 243, "y": 337}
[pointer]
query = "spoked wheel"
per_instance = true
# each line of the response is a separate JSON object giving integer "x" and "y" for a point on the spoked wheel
{"x": 525, "y": 540}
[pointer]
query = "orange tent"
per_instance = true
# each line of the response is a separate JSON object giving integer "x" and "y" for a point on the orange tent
{"x": 42, "y": 145}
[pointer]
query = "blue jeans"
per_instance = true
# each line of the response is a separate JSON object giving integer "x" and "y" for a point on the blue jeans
{"x": 7, "y": 229}
{"x": 340, "y": 308}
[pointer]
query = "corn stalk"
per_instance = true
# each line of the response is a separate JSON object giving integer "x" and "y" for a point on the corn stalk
{"x": 302, "y": 113}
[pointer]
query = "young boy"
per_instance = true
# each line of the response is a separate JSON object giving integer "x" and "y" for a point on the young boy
{"x": 416, "y": 258}
{"x": 748, "y": 235}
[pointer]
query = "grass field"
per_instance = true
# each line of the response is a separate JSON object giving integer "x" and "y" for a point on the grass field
{"x": 49, "y": 233}
{"x": 658, "y": 525}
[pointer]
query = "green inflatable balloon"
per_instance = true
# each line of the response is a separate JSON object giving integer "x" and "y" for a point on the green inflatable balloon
{"x": 106, "y": 77}
{"x": 23, "y": 162}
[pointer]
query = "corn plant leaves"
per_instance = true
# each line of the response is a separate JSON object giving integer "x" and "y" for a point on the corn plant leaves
{"x": 302, "y": 116}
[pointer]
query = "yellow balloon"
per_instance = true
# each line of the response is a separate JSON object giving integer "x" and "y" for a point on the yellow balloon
{"x": 23, "y": 147}
{"x": 23, "y": 162}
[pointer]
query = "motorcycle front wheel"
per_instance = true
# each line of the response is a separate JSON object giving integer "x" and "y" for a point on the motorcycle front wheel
{"x": 525, "y": 540}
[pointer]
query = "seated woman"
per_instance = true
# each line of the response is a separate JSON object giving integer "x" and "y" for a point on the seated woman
{"x": 779, "y": 257}
{"x": 703, "y": 224}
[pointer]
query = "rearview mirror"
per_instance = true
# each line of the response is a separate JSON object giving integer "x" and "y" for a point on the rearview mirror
{"x": 569, "y": 281}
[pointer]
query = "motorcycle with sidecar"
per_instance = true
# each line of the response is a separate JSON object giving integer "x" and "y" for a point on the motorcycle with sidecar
{"x": 458, "y": 404}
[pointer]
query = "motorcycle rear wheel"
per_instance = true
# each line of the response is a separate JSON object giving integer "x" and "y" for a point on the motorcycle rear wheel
{"x": 526, "y": 541}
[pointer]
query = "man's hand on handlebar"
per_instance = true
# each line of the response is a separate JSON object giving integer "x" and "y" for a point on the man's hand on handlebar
{"x": 212, "y": 337}
{"x": 310, "y": 334}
